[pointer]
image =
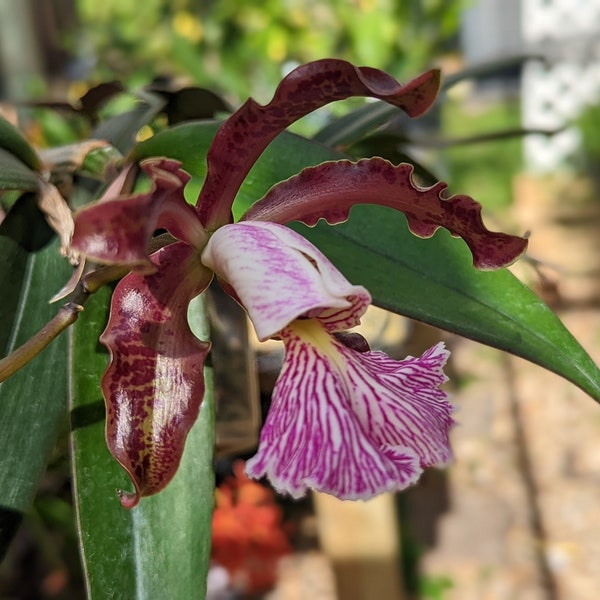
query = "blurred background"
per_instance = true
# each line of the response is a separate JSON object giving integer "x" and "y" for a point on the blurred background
{"x": 516, "y": 516}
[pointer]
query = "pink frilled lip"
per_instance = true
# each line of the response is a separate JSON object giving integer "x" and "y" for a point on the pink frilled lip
{"x": 278, "y": 277}
{"x": 353, "y": 424}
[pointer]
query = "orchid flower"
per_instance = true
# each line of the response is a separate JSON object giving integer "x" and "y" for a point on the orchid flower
{"x": 344, "y": 419}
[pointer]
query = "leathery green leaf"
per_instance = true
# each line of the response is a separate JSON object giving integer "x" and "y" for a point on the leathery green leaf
{"x": 433, "y": 281}
{"x": 160, "y": 548}
{"x": 15, "y": 175}
{"x": 33, "y": 402}
{"x": 14, "y": 141}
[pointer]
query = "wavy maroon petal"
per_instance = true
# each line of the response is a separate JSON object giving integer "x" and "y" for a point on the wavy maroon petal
{"x": 154, "y": 384}
{"x": 119, "y": 230}
{"x": 243, "y": 137}
{"x": 331, "y": 189}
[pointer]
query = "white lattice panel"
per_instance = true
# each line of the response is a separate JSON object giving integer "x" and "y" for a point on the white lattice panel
{"x": 567, "y": 34}
{"x": 559, "y": 18}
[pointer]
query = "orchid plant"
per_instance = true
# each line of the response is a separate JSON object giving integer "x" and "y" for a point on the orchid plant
{"x": 344, "y": 419}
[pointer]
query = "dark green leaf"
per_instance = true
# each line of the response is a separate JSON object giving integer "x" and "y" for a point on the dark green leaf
{"x": 188, "y": 103}
{"x": 97, "y": 96}
{"x": 354, "y": 126}
{"x": 15, "y": 175}
{"x": 159, "y": 549}
{"x": 25, "y": 223}
{"x": 13, "y": 270}
{"x": 33, "y": 402}
{"x": 12, "y": 140}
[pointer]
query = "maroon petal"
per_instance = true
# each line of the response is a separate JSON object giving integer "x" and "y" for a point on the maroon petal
{"x": 331, "y": 189}
{"x": 154, "y": 384}
{"x": 118, "y": 230}
{"x": 242, "y": 138}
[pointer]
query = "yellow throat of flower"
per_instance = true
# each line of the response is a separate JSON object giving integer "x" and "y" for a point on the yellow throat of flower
{"x": 312, "y": 331}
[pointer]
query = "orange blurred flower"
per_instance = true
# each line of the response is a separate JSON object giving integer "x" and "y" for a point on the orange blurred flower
{"x": 248, "y": 536}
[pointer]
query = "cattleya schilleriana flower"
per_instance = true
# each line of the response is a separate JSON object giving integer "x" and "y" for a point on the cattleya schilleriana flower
{"x": 343, "y": 420}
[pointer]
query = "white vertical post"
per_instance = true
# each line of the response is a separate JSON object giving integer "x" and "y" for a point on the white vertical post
{"x": 19, "y": 48}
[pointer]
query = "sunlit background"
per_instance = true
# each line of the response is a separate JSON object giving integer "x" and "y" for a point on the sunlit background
{"x": 518, "y": 129}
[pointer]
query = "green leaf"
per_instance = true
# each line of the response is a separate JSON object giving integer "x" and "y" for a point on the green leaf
{"x": 13, "y": 271}
{"x": 26, "y": 224}
{"x": 15, "y": 175}
{"x": 33, "y": 402}
{"x": 160, "y": 548}
{"x": 189, "y": 103}
{"x": 429, "y": 280}
{"x": 433, "y": 281}
{"x": 12, "y": 139}
{"x": 121, "y": 129}
{"x": 188, "y": 143}
{"x": 357, "y": 124}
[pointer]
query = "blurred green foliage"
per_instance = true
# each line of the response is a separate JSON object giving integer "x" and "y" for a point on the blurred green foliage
{"x": 483, "y": 170}
{"x": 244, "y": 46}
{"x": 588, "y": 125}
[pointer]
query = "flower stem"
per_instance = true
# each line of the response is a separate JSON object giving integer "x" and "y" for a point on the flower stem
{"x": 32, "y": 347}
